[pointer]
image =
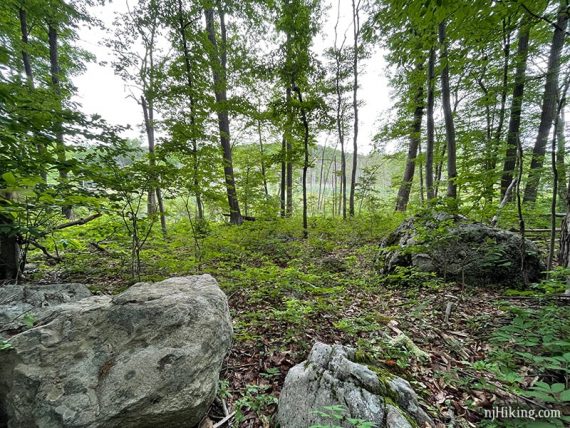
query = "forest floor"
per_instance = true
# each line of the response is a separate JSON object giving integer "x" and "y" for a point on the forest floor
{"x": 285, "y": 293}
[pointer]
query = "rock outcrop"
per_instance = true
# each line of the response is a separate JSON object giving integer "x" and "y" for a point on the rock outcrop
{"x": 458, "y": 249}
{"x": 148, "y": 357}
{"x": 331, "y": 377}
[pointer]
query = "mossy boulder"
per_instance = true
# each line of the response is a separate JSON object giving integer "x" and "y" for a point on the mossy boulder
{"x": 330, "y": 382}
{"x": 456, "y": 248}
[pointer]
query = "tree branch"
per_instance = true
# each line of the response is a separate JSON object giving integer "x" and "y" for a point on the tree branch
{"x": 77, "y": 222}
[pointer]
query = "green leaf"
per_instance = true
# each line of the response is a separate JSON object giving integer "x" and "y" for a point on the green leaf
{"x": 9, "y": 178}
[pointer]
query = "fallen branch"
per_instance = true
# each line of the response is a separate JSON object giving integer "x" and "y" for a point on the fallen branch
{"x": 78, "y": 222}
{"x": 223, "y": 421}
{"x": 45, "y": 251}
{"x": 99, "y": 248}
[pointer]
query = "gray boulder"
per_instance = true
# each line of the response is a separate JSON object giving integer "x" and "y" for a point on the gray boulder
{"x": 458, "y": 249}
{"x": 35, "y": 302}
{"x": 331, "y": 377}
{"x": 148, "y": 357}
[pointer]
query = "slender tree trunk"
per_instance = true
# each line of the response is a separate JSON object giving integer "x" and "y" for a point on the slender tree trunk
{"x": 283, "y": 184}
{"x": 422, "y": 185}
{"x": 154, "y": 194}
{"x": 356, "y": 34}
{"x": 190, "y": 83}
{"x": 448, "y": 115}
{"x": 504, "y": 89}
{"x": 55, "y": 80}
{"x": 289, "y": 147}
{"x": 23, "y": 16}
{"x": 561, "y": 156}
{"x": 321, "y": 172}
{"x": 548, "y": 103}
{"x": 306, "y": 159}
{"x": 415, "y": 135}
{"x": 513, "y": 133}
{"x": 430, "y": 125}
{"x": 262, "y": 155}
{"x": 218, "y": 64}
{"x": 340, "y": 131}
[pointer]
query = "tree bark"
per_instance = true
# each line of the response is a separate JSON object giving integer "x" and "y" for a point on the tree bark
{"x": 496, "y": 142}
{"x": 561, "y": 155}
{"x": 306, "y": 158}
{"x": 430, "y": 125}
{"x": 548, "y": 104}
{"x": 289, "y": 158}
{"x": 218, "y": 64}
{"x": 513, "y": 133}
{"x": 155, "y": 194}
{"x": 190, "y": 83}
{"x": 356, "y": 33}
{"x": 448, "y": 115}
{"x": 283, "y": 183}
{"x": 262, "y": 156}
{"x": 55, "y": 72}
{"x": 415, "y": 135}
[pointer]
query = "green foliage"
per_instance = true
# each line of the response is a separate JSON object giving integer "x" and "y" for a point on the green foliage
{"x": 535, "y": 343}
{"x": 412, "y": 277}
{"x": 337, "y": 414}
{"x": 255, "y": 399}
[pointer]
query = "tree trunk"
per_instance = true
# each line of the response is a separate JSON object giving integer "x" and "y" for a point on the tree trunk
{"x": 58, "y": 128}
{"x": 356, "y": 33}
{"x": 415, "y": 135}
{"x": 448, "y": 115}
{"x": 496, "y": 142}
{"x": 262, "y": 156}
{"x": 561, "y": 155}
{"x": 289, "y": 159}
{"x": 218, "y": 64}
{"x": 155, "y": 194}
{"x": 430, "y": 125}
{"x": 190, "y": 83}
{"x": 9, "y": 249}
{"x": 513, "y": 133}
{"x": 283, "y": 184}
{"x": 548, "y": 103}
{"x": 340, "y": 132}
{"x": 306, "y": 159}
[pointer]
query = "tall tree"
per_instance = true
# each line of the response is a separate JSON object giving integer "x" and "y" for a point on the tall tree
{"x": 55, "y": 72}
{"x": 415, "y": 137}
{"x": 430, "y": 125}
{"x": 356, "y": 48}
{"x": 448, "y": 114}
{"x": 218, "y": 64}
{"x": 548, "y": 111}
{"x": 513, "y": 133}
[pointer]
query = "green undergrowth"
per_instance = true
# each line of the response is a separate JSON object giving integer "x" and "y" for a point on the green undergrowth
{"x": 286, "y": 291}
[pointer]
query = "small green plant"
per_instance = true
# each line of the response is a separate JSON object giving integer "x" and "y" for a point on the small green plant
{"x": 295, "y": 311}
{"x": 5, "y": 345}
{"x": 411, "y": 277}
{"x": 338, "y": 414}
{"x": 555, "y": 393}
{"x": 257, "y": 400}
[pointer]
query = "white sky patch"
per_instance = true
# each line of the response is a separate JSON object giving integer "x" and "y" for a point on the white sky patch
{"x": 102, "y": 92}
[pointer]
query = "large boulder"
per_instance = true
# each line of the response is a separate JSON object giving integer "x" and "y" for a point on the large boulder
{"x": 148, "y": 357}
{"x": 331, "y": 377}
{"x": 21, "y": 304}
{"x": 458, "y": 249}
